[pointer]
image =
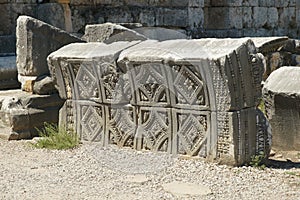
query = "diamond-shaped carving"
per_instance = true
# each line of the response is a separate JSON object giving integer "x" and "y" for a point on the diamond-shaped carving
{"x": 191, "y": 133}
{"x": 92, "y": 123}
{"x": 122, "y": 125}
{"x": 86, "y": 83}
{"x": 150, "y": 84}
{"x": 154, "y": 126}
{"x": 189, "y": 87}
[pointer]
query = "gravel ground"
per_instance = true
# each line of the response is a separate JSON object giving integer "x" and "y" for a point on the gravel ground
{"x": 92, "y": 172}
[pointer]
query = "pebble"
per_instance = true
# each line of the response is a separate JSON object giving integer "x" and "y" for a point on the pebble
{"x": 92, "y": 172}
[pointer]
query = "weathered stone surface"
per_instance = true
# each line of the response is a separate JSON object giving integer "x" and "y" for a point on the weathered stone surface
{"x": 8, "y": 73}
{"x": 282, "y": 99}
{"x": 21, "y": 113}
{"x": 35, "y": 41}
{"x": 7, "y": 45}
{"x": 51, "y": 13}
{"x": 186, "y": 189}
{"x": 160, "y": 34}
{"x": 109, "y": 33}
{"x": 192, "y": 97}
{"x": 44, "y": 85}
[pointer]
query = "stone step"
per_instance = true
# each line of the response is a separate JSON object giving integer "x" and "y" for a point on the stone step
{"x": 22, "y": 113}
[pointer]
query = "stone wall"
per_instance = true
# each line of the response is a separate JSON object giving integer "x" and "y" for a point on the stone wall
{"x": 200, "y": 18}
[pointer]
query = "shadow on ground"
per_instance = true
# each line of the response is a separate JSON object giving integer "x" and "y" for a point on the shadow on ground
{"x": 278, "y": 164}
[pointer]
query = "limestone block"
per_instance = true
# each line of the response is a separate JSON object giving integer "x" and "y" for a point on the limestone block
{"x": 172, "y": 17}
{"x": 287, "y": 18}
{"x": 260, "y": 16}
{"x": 163, "y": 3}
{"x": 160, "y": 34}
{"x": 198, "y": 95}
{"x": 282, "y": 99}
{"x": 21, "y": 113}
{"x": 220, "y": 16}
{"x": 272, "y": 17}
{"x": 35, "y": 41}
{"x": 44, "y": 85}
{"x": 196, "y": 3}
{"x": 75, "y": 69}
{"x": 8, "y": 73}
{"x": 121, "y": 124}
{"x": 196, "y": 17}
{"x": 236, "y": 18}
{"x": 191, "y": 97}
{"x": 247, "y": 17}
{"x": 51, "y": 13}
{"x": 282, "y": 3}
{"x": 5, "y": 26}
{"x": 234, "y": 3}
{"x": 154, "y": 129}
{"x": 109, "y": 33}
{"x": 179, "y": 49}
{"x": 266, "y": 3}
{"x": 136, "y": 2}
{"x": 251, "y": 3}
{"x": 7, "y": 45}
{"x": 147, "y": 17}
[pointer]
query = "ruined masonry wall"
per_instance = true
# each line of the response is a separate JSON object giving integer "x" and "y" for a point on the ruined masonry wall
{"x": 201, "y": 18}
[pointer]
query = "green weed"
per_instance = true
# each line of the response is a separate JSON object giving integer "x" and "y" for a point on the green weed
{"x": 55, "y": 137}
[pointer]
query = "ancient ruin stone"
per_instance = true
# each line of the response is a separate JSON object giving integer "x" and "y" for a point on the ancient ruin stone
{"x": 109, "y": 33}
{"x": 161, "y": 34}
{"x": 281, "y": 94}
{"x": 8, "y": 72}
{"x": 191, "y": 97}
{"x": 21, "y": 113}
{"x": 35, "y": 41}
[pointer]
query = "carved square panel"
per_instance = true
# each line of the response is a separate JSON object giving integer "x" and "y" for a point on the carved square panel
{"x": 191, "y": 130}
{"x": 85, "y": 83}
{"x": 154, "y": 129}
{"x": 188, "y": 88}
{"x": 149, "y": 83}
{"x": 121, "y": 123}
{"x": 114, "y": 83}
{"x": 90, "y": 121}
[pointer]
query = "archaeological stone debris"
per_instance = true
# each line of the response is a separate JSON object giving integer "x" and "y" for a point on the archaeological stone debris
{"x": 35, "y": 41}
{"x": 190, "y": 97}
{"x": 281, "y": 94}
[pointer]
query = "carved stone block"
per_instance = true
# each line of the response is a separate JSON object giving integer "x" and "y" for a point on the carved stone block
{"x": 191, "y": 132}
{"x": 121, "y": 124}
{"x": 281, "y": 95}
{"x": 35, "y": 41}
{"x": 154, "y": 130}
{"x": 149, "y": 84}
{"x": 90, "y": 121}
{"x": 85, "y": 71}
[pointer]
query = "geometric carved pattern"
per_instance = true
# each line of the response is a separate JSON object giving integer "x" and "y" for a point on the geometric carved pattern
{"x": 192, "y": 131}
{"x": 150, "y": 85}
{"x": 92, "y": 123}
{"x": 121, "y": 125}
{"x": 188, "y": 85}
{"x": 154, "y": 129}
{"x": 86, "y": 83}
{"x": 115, "y": 87}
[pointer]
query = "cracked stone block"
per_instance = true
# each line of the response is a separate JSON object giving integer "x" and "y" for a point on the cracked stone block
{"x": 35, "y": 41}
{"x": 282, "y": 99}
